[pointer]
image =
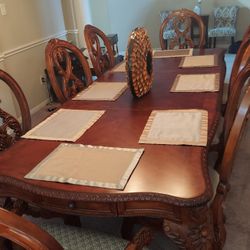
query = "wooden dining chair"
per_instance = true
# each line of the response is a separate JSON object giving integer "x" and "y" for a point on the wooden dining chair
{"x": 181, "y": 21}
{"x": 225, "y": 18}
{"x": 99, "y": 49}
{"x": 10, "y": 128}
{"x": 241, "y": 60}
{"x": 66, "y": 80}
{"x": 238, "y": 86}
{"x": 47, "y": 235}
{"x": 220, "y": 174}
{"x": 236, "y": 119}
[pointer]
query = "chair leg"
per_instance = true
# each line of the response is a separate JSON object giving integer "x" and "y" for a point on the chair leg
{"x": 72, "y": 220}
{"x": 232, "y": 39}
{"x": 214, "y": 42}
{"x": 166, "y": 43}
{"x": 127, "y": 227}
{"x": 209, "y": 42}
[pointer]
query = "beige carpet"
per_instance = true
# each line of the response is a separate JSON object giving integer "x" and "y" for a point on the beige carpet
{"x": 237, "y": 205}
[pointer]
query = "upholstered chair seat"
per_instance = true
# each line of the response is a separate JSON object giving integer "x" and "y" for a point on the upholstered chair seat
{"x": 74, "y": 238}
{"x": 168, "y": 34}
{"x": 52, "y": 234}
{"x": 214, "y": 178}
{"x": 221, "y": 32}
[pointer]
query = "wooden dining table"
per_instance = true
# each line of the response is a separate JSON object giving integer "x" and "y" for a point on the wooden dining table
{"x": 170, "y": 181}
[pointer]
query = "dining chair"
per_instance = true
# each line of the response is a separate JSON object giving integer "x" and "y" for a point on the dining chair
{"x": 242, "y": 58}
{"x": 168, "y": 32}
{"x": 220, "y": 171}
{"x": 182, "y": 20}
{"x": 238, "y": 87}
{"x": 10, "y": 128}
{"x": 66, "y": 80}
{"x": 224, "y": 23}
{"x": 99, "y": 49}
{"x": 47, "y": 235}
{"x": 233, "y": 134}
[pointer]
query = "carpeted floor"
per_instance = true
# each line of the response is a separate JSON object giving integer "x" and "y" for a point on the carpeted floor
{"x": 237, "y": 205}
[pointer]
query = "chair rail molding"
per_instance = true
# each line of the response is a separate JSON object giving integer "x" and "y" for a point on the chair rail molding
{"x": 73, "y": 31}
{"x": 35, "y": 43}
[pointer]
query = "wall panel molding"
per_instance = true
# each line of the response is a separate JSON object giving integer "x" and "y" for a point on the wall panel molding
{"x": 34, "y": 43}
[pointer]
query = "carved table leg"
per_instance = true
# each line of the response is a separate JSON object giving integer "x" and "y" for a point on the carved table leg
{"x": 194, "y": 232}
{"x": 127, "y": 227}
{"x": 72, "y": 220}
{"x": 218, "y": 214}
{"x": 6, "y": 203}
{"x": 19, "y": 207}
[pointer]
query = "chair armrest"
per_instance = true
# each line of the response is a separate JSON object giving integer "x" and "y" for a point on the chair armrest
{"x": 25, "y": 233}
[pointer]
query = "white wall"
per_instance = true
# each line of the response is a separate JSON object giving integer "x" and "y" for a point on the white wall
{"x": 25, "y": 31}
{"x": 76, "y": 15}
{"x": 100, "y": 11}
{"x": 121, "y": 16}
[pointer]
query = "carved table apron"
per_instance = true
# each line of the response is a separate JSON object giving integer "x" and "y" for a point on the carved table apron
{"x": 170, "y": 182}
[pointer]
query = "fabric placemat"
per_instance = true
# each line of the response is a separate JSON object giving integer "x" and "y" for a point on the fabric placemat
{"x": 176, "y": 127}
{"x": 65, "y": 125}
{"x": 88, "y": 165}
{"x": 172, "y": 53}
{"x": 106, "y": 91}
{"x": 199, "y": 61}
{"x": 196, "y": 83}
{"x": 121, "y": 67}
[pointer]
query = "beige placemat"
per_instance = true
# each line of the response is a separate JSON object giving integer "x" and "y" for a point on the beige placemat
{"x": 88, "y": 165}
{"x": 196, "y": 83}
{"x": 102, "y": 91}
{"x": 176, "y": 127}
{"x": 172, "y": 53}
{"x": 199, "y": 61}
{"x": 65, "y": 125}
{"x": 121, "y": 67}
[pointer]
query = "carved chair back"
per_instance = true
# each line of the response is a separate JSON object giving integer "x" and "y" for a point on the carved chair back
{"x": 99, "y": 48}
{"x": 224, "y": 167}
{"x": 67, "y": 68}
{"x": 241, "y": 58}
{"x": 181, "y": 22}
{"x": 28, "y": 235}
{"x": 240, "y": 119}
{"x": 238, "y": 87}
{"x": 225, "y": 16}
{"x": 10, "y": 128}
{"x": 24, "y": 233}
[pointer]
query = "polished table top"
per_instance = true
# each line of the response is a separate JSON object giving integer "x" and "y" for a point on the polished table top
{"x": 165, "y": 173}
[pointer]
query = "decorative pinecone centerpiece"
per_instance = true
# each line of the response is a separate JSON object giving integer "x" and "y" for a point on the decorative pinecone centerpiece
{"x": 139, "y": 62}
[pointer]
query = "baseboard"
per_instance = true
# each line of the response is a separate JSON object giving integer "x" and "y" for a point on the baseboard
{"x": 39, "y": 106}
